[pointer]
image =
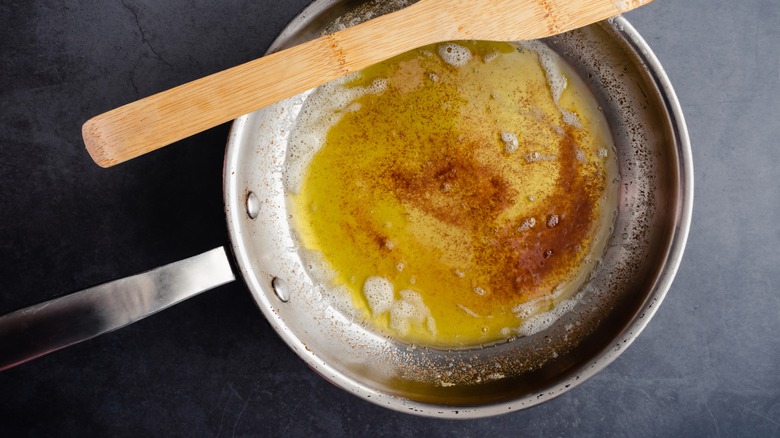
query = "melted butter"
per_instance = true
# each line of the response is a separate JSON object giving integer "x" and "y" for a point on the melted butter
{"x": 463, "y": 186}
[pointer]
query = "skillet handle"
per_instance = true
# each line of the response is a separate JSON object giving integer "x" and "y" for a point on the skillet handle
{"x": 40, "y": 329}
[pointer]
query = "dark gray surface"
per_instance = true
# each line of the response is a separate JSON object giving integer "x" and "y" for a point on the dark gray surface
{"x": 707, "y": 365}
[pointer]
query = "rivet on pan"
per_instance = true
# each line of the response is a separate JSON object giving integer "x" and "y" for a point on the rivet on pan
{"x": 252, "y": 205}
{"x": 280, "y": 289}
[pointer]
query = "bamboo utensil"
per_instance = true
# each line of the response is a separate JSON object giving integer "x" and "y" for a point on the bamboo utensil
{"x": 161, "y": 119}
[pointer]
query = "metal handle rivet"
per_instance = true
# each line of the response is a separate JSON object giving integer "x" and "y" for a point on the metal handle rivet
{"x": 252, "y": 205}
{"x": 280, "y": 289}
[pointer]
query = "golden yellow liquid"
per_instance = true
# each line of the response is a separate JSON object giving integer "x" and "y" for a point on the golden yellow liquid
{"x": 423, "y": 184}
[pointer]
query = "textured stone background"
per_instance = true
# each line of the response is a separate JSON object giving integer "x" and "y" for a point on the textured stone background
{"x": 707, "y": 365}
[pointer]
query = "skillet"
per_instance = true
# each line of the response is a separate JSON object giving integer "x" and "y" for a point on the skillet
{"x": 643, "y": 253}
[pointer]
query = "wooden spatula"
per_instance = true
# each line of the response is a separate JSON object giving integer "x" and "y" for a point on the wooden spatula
{"x": 159, "y": 120}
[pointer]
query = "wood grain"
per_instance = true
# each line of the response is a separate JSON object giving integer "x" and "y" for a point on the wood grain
{"x": 161, "y": 119}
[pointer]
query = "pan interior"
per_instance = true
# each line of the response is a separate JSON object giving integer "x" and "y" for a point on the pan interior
{"x": 641, "y": 256}
{"x": 458, "y": 193}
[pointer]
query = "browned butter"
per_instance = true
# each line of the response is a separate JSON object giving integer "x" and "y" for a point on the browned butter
{"x": 459, "y": 192}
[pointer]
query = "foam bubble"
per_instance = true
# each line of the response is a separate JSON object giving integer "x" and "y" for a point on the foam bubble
{"x": 540, "y": 313}
{"x": 537, "y": 305}
{"x": 580, "y": 155}
{"x": 489, "y": 57}
{"x": 529, "y": 308}
{"x": 401, "y": 314}
{"x": 414, "y": 298}
{"x": 556, "y": 79}
{"x": 379, "y": 294}
{"x": 571, "y": 118}
{"x": 510, "y": 141}
{"x": 552, "y": 71}
{"x": 378, "y": 86}
{"x": 455, "y": 54}
{"x": 527, "y": 225}
{"x": 542, "y": 321}
{"x": 430, "y": 324}
{"x": 533, "y": 157}
{"x": 410, "y": 310}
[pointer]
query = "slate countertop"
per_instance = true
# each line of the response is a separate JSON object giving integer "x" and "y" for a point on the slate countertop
{"x": 707, "y": 365}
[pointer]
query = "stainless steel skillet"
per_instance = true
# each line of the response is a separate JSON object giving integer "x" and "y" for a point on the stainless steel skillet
{"x": 655, "y": 198}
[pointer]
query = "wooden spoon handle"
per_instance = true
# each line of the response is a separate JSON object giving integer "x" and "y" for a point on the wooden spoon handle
{"x": 161, "y": 119}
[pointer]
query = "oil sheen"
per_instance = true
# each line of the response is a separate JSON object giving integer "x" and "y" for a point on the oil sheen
{"x": 459, "y": 194}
